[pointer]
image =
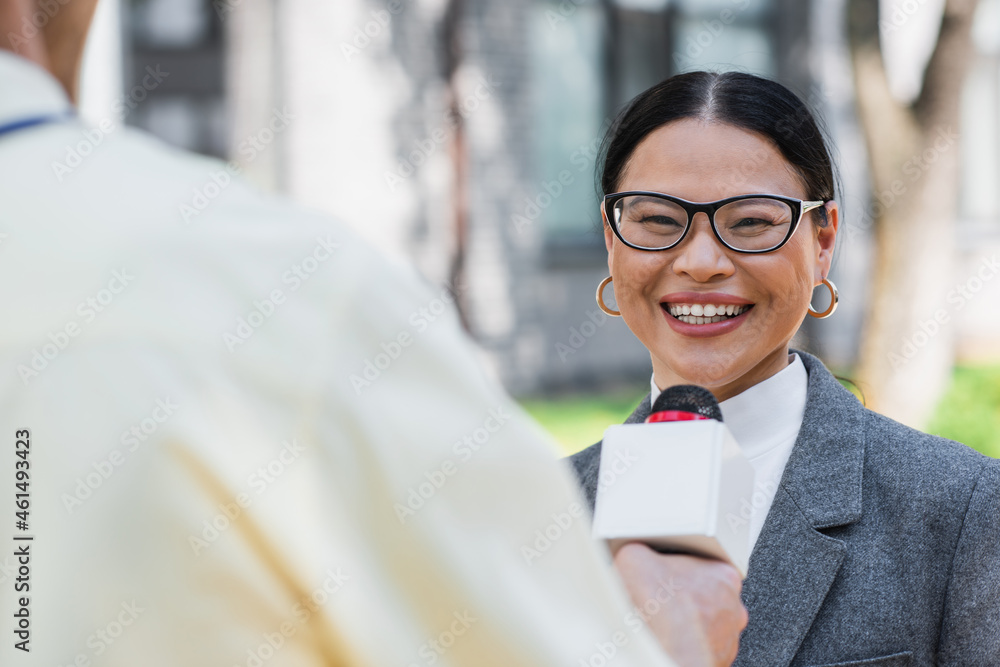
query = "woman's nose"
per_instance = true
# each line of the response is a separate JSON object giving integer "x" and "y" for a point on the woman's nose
{"x": 701, "y": 255}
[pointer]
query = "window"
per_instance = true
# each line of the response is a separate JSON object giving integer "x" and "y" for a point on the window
{"x": 730, "y": 34}
{"x": 980, "y": 194}
{"x": 589, "y": 57}
{"x": 183, "y": 103}
{"x": 568, "y": 88}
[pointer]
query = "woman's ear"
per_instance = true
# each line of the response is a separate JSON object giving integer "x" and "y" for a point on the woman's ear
{"x": 826, "y": 240}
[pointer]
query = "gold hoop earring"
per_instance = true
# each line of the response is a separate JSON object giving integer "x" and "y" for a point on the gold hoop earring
{"x": 600, "y": 299}
{"x": 834, "y": 300}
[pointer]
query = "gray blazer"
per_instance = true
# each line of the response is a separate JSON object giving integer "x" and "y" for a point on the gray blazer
{"x": 882, "y": 546}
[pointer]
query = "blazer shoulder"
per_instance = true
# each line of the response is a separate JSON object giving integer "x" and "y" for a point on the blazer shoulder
{"x": 923, "y": 462}
{"x": 917, "y": 446}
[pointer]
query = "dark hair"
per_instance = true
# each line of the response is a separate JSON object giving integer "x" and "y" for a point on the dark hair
{"x": 742, "y": 100}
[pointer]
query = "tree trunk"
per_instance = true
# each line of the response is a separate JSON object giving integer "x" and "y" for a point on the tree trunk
{"x": 907, "y": 347}
{"x": 452, "y": 29}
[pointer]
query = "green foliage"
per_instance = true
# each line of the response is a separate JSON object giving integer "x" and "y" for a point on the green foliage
{"x": 970, "y": 411}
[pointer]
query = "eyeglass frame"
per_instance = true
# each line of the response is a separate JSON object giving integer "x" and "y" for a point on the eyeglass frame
{"x": 799, "y": 208}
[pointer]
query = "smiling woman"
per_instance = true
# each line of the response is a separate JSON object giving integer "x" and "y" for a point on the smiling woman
{"x": 747, "y": 255}
{"x": 871, "y": 542}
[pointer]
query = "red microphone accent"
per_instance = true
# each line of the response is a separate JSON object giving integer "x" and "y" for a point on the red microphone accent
{"x": 674, "y": 416}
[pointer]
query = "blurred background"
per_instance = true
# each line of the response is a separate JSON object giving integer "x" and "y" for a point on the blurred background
{"x": 463, "y": 135}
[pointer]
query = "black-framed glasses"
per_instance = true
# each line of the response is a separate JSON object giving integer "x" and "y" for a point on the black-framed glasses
{"x": 745, "y": 223}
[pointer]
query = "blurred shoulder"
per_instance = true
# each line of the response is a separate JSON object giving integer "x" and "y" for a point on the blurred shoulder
{"x": 179, "y": 256}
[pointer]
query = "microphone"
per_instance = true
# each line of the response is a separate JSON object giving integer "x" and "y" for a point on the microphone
{"x": 684, "y": 402}
{"x": 676, "y": 482}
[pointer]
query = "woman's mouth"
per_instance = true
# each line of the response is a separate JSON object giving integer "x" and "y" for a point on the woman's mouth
{"x": 704, "y": 313}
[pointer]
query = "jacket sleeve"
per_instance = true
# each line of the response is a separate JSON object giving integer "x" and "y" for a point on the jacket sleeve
{"x": 970, "y": 630}
{"x": 586, "y": 466}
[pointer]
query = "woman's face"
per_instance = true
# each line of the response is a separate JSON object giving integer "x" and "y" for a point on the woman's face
{"x": 701, "y": 162}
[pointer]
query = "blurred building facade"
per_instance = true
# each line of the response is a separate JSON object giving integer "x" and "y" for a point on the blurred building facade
{"x": 463, "y": 135}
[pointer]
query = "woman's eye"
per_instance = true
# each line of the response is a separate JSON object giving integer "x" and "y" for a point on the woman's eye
{"x": 659, "y": 221}
{"x": 754, "y": 222}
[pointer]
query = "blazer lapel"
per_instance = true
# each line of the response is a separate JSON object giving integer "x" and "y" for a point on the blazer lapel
{"x": 793, "y": 564}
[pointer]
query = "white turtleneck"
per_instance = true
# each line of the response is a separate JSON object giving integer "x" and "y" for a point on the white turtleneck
{"x": 765, "y": 421}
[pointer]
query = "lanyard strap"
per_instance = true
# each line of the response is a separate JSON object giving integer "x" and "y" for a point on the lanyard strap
{"x": 25, "y": 123}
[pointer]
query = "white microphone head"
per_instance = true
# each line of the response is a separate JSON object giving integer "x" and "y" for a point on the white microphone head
{"x": 679, "y": 485}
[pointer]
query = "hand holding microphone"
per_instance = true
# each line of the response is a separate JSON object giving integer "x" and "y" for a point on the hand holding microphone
{"x": 700, "y": 623}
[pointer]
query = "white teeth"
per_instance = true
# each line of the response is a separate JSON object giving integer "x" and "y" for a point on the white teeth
{"x": 698, "y": 313}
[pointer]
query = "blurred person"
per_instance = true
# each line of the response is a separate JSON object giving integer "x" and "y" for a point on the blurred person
{"x": 227, "y": 444}
{"x": 873, "y": 543}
